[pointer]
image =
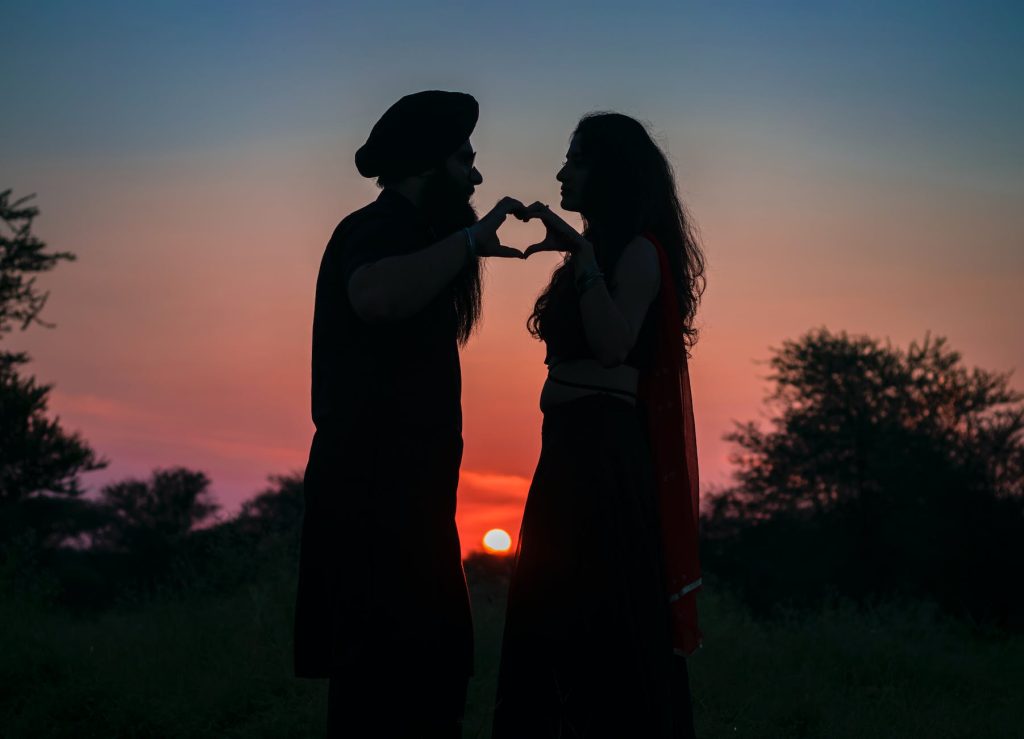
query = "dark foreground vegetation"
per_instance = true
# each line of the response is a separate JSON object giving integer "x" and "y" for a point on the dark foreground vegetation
{"x": 869, "y": 562}
{"x": 207, "y": 662}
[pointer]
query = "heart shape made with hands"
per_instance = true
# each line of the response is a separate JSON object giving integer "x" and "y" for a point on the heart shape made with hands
{"x": 558, "y": 235}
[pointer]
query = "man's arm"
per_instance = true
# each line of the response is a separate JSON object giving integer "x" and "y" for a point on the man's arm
{"x": 398, "y": 287}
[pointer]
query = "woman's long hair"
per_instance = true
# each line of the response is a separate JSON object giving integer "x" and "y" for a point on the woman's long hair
{"x": 630, "y": 189}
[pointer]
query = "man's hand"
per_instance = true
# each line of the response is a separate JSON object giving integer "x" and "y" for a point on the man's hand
{"x": 559, "y": 236}
{"x": 485, "y": 231}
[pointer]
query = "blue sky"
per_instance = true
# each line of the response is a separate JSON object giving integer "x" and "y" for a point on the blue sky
{"x": 937, "y": 84}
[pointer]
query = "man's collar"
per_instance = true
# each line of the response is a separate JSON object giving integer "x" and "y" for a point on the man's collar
{"x": 400, "y": 204}
{"x": 394, "y": 199}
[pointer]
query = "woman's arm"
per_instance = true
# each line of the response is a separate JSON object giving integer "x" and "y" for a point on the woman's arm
{"x": 614, "y": 308}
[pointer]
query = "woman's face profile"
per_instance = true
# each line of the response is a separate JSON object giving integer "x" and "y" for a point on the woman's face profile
{"x": 573, "y": 176}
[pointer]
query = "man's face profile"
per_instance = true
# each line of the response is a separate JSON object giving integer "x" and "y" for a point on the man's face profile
{"x": 462, "y": 170}
{"x": 448, "y": 189}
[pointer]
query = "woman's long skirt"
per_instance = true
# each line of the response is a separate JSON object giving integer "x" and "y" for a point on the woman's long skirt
{"x": 586, "y": 650}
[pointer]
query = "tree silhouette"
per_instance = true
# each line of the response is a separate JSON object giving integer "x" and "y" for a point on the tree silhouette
{"x": 40, "y": 462}
{"x": 276, "y": 510}
{"x": 22, "y": 257}
{"x": 881, "y": 471}
{"x": 155, "y": 516}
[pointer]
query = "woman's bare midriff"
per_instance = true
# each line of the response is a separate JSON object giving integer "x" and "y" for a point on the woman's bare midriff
{"x": 587, "y": 372}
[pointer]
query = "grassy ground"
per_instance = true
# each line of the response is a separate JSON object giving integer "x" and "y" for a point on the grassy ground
{"x": 220, "y": 667}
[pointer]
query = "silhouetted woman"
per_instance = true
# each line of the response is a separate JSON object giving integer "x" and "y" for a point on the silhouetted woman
{"x": 601, "y": 606}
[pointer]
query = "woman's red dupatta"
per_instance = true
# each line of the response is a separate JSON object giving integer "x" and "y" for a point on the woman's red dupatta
{"x": 664, "y": 390}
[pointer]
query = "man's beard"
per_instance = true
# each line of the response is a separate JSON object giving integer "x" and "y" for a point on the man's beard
{"x": 445, "y": 205}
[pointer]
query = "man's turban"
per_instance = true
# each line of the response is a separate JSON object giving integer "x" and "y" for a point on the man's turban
{"x": 418, "y": 133}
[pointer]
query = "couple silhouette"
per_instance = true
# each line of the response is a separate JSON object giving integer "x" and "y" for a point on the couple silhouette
{"x": 601, "y": 609}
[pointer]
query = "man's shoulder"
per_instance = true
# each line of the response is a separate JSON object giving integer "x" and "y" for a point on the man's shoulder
{"x": 371, "y": 217}
{"x": 381, "y": 217}
{"x": 378, "y": 229}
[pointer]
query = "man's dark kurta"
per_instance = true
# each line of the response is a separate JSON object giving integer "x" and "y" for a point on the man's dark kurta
{"x": 380, "y": 575}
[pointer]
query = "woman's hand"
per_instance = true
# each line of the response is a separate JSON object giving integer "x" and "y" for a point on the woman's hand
{"x": 560, "y": 235}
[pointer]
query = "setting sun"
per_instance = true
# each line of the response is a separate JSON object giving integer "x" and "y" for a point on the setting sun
{"x": 497, "y": 540}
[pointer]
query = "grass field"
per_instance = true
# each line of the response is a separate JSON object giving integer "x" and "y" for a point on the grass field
{"x": 219, "y": 666}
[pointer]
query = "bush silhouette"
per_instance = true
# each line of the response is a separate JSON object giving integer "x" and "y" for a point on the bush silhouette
{"x": 881, "y": 472}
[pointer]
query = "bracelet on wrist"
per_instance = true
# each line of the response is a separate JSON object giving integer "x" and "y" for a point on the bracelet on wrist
{"x": 587, "y": 281}
{"x": 580, "y": 246}
{"x": 586, "y": 273}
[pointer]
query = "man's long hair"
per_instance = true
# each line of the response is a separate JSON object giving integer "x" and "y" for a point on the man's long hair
{"x": 446, "y": 208}
{"x": 467, "y": 289}
{"x": 630, "y": 189}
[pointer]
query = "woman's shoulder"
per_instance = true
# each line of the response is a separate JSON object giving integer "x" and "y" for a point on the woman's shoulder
{"x": 640, "y": 257}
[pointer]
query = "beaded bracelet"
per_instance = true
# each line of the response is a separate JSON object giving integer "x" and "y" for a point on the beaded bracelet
{"x": 587, "y": 281}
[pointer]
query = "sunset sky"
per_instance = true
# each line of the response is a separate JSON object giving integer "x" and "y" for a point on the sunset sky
{"x": 855, "y": 165}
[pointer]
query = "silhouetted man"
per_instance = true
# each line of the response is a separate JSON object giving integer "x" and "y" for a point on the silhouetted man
{"x": 382, "y": 607}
